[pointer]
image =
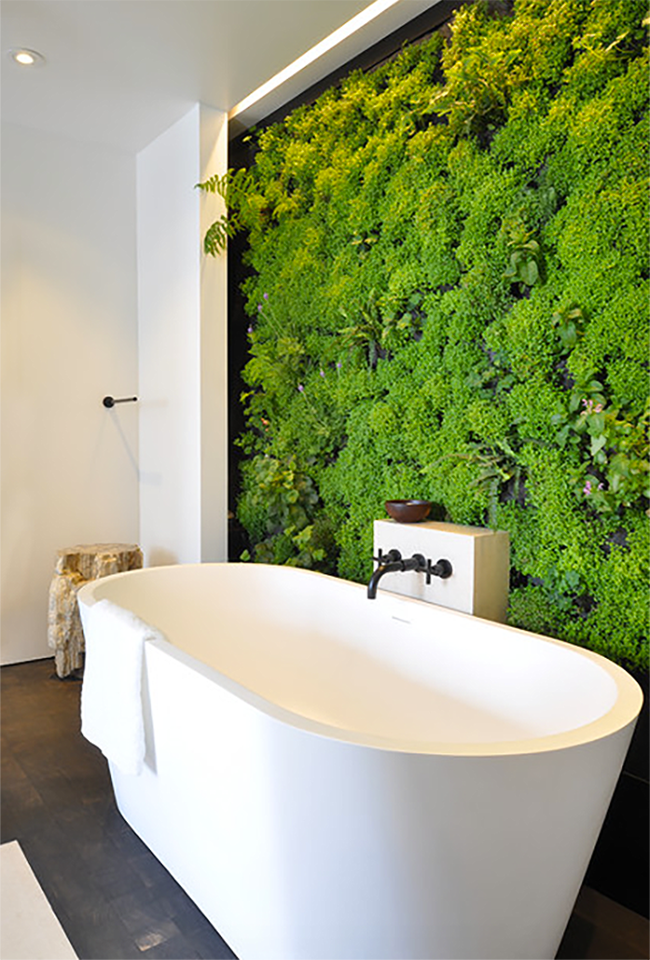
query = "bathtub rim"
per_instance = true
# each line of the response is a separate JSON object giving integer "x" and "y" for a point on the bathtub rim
{"x": 622, "y": 714}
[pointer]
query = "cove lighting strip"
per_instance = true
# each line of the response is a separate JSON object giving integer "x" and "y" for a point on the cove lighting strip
{"x": 342, "y": 33}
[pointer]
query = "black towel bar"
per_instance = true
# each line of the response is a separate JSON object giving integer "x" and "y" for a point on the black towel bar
{"x": 111, "y": 401}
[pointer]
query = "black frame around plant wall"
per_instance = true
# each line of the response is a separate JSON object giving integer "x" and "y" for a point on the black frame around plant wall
{"x": 241, "y": 154}
{"x": 619, "y": 866}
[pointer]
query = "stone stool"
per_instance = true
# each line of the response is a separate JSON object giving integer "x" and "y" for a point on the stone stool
{"x": 74, "y": 567}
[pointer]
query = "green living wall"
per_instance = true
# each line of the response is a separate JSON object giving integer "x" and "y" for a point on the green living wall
{"x": 449, "y": 300}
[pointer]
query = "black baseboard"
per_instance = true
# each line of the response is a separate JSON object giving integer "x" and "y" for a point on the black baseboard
{"x": 620, "y": 865}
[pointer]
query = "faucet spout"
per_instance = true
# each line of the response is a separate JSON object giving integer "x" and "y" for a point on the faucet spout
{"x": 391, "y": 567}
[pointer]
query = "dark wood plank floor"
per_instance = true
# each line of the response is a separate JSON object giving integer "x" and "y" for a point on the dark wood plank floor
{"x": 113, "y": 898}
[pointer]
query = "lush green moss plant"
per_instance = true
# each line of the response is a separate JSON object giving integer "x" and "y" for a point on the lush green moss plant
{"x": 449, "y": 299}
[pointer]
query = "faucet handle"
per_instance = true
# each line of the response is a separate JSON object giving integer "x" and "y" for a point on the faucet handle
{"x": 391, "y": 557}
{"x": 442, "y": 569}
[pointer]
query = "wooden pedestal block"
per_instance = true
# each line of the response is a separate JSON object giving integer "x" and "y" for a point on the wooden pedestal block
{"x": 74, "y": 567}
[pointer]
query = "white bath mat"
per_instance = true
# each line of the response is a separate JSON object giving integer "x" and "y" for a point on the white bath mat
{"x": 29, "y": 929}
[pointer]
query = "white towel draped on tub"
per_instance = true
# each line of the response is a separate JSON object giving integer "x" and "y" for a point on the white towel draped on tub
{"x": 111, "y": 695}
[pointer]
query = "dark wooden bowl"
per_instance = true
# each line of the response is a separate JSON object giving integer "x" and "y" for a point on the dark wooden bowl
{"x": 408, "y": 511}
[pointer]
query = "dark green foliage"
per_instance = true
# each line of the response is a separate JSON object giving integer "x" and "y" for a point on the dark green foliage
{"x": 449, "y": 300}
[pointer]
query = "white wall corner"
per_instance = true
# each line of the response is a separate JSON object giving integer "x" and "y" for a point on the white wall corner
{"x": 214, "y": 348}
{"x": 182, "y": 356}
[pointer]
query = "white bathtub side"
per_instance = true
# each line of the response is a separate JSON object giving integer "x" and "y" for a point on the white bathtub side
{"x": 299, "y": 846}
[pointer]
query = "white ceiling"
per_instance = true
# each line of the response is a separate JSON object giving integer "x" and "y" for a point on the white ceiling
{"x": 120, "y": 72}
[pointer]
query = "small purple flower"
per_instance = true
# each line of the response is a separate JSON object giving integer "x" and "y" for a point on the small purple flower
{"x": 250, "y": 328}
{"x": 322, "y": 373}
{"x": 339, "y": 365}
{"x": 590, "y": 487}
{"x": 259, "y": 307}
{"x": 301, "y": 388}
{"x": 266, "y": 296}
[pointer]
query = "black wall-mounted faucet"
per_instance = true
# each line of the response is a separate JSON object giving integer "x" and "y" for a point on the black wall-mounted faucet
{"x": 392, "y": 562}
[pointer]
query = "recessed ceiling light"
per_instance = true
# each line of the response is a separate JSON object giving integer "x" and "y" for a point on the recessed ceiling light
{"x": 26, "y": 58}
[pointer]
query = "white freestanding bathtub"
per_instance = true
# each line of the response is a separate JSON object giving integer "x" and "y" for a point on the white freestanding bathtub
{"x": 329, "y": 777}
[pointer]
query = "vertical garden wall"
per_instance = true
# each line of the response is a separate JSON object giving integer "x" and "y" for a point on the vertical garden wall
{"x": 448, "y": 299}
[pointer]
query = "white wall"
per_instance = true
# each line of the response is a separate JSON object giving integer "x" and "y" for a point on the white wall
{"x": 182, "y": 346}
{"x": 69, "y": 336}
